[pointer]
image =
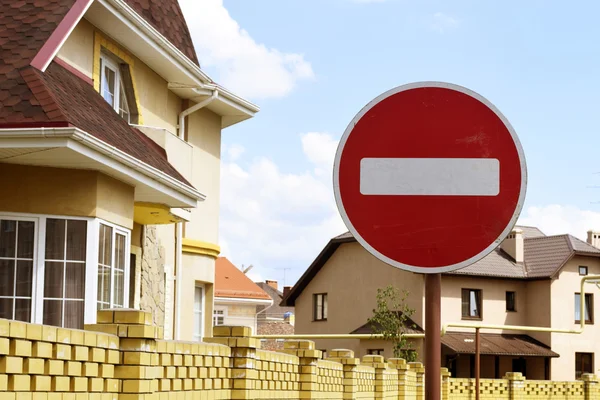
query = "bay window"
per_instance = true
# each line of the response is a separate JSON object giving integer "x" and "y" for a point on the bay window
{"x": 59, "y": 270}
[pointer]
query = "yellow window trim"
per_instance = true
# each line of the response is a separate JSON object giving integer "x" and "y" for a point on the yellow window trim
{"x": 101, "y": 41}
{"x": 199, "y": 247}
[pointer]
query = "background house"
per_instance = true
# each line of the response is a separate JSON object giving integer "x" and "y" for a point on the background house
{"x": 237, "y": 298}
{"x": 274, "y": 319}
{"x": 110, "y": 142}
{"x": 531, "y": 279}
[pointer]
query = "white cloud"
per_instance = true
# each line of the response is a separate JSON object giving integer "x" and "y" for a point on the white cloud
{"x": 249, "y": 68}
{"x": 558, "y": 219}
{"x": 273, "y": 219}
{"x": 233, "y": 152}
{"x": 442, "y": 22}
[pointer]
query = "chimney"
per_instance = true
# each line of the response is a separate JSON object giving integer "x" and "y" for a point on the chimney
{"x": 594, "y": 238}
{"x": 513, "y": 245}
{"x": 273, "y": 284}
{"x": 286, "y": 290}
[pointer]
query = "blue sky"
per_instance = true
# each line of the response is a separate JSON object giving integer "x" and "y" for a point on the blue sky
{"x": 311, "y": 65}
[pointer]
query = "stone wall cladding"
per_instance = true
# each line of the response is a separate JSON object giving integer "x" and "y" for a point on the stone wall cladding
{"x": 152, "y": 294}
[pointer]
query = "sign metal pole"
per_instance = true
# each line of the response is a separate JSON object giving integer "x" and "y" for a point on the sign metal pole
{"x": 433, "y": 343}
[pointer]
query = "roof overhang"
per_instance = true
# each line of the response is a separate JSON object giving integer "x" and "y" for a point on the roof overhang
{"x": 117, "y": 19}
{"x": 70, "y": 147}
{"x": 241, "y": 300}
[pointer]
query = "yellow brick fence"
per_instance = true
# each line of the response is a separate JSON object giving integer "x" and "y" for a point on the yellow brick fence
{"x": 123, "y": 357}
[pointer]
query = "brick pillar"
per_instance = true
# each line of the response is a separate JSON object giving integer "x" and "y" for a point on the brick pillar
{"x": 420, "y": 371}
{"x": 516, "y": 385}
{"x": 243, "y": 353}
{"x": 405, "y": 386}
{"x": 445, "y": 383}
{"x": 137, "y": 345}
{"x": 308, "y": 373}
{"x": 591, "y": 387}
{"x": 378, "y": 363}
{"x": 349, "y": 362}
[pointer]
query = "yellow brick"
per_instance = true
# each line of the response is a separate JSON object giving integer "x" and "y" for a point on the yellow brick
{"x": 42, "y": 350}
{"x": 4, "y": 346}
{"x": 102, "y": 341}
{"x": 20, "y": 348}
{"x": 130, "y": 317}
{"x": 241, "y": 331}
{"x": 73, "y": 368}
{"x": 19, "y": 383}
{"x": 107, "y": 371}
{"x": 18, "y": 329}
{"x": 90, "y": 369}
{"x": 4, "y": 327}
{"x": 164, "y": 385}
{"x": 41, "y": 383}
{"x": 177, "y": 359}
{"x": 97, "y": 355}
{"x": 49, "y": 333}
{"x": 122, "y": 330}
{"x": 79, "y": 384}
{"x": 136, "y": 386}
{"x": 11, "y": 365}
{"x": 113, "y": 357}
{"x": 111, "y": 329}
{"x": 77, "y": 337}
{"x": 130, "y": 372}
{"x": 62, "y": 351}
{"x": 3, "y": 383}
{"x": 104, "y": 317}
{"x": 95, "y": 384}
{"x": 112, "y": 385}
{"x": 33, "y": 332}
{"x": 222, "y": 331}
{"x": 90, "y": 339}
{"x": 39, "y": 396}
{"x": 33, "y": 366}
{"x": 141, "y": 331}
{"x": 136, "y": 358}
{"x": 80, "y": 353}
{"x": 166, "y": 359}
{"x": 54, "y": 367}
{"x": 113, "y": 342}
{"x": 63, "y": 336}
{"x": 60, "y": 383}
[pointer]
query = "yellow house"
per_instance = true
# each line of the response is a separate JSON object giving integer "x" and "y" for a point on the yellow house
{"x": 531, "y": 279}
{"x": 110, "y": 140}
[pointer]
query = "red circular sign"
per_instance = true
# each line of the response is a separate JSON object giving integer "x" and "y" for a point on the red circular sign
{"x": 430, "y": 177}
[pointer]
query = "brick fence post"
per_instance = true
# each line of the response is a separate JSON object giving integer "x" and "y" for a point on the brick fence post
{"x": 308, "y": 371}
{"x": 349, "y": 362}
{"x": 445, "y": 383}
{"x": 420, "y": 370}
{"x": 591, "y": 388}
{"x": 516, "y": 385}
{"x": 137, "y": 370}
{"x": 378, "y": 363}
{"x": 243, "y": 353}
{"x": 406, "y": 385}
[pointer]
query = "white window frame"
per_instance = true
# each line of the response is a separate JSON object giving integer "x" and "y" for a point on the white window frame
{"x": 91, "y": 260}
{"x": 224, "y": 315}
{"x": 107, "y": 61}
{"x": 115, "y": 230}
{"x": 199, "y": 335}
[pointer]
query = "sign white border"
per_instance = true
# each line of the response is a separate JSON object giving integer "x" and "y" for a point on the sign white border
{"x": 415, "y": 268}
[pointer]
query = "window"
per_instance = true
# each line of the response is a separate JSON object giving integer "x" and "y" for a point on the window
{"x": 219, "y": 314}
{"x": 49, "y": 269}
{"x": 471, "y": 304}
{"x": 320, "y": 307}
{"x": 583, "y": 270}
{"x": 377, "y": 352}
{"x": 64, "y": 273}
{"x": 198, "y": 313}
{"x": 584, "y": 364}
{"x": 111, "y": 267}
{"x": 589, "y": 308}
{"x": 511, "y": 303}
{"x": 17, "y": 246}
{"x": 113, "y": 85}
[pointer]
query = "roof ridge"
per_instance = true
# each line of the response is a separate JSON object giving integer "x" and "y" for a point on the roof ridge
{"x": 546, "y": 237}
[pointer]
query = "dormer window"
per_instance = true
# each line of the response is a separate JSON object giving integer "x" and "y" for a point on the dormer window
{"x": 116, "y": 87}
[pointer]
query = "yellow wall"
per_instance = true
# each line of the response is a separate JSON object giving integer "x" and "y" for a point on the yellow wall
{"x": 78, "y": 49}
{"x": 197, "y": 269}
{"x": 563, "y": 317}
{"x": 70, "y": 192}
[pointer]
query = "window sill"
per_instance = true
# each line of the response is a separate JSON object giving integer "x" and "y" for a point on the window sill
{"x": 320, "y": 320}
{"x": 472, "y": 318}
{"x": 586, "y": 322}
{"x": 512, "y": 311}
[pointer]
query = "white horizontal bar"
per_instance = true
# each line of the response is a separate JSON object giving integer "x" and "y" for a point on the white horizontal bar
{"x": 430, "y": 176}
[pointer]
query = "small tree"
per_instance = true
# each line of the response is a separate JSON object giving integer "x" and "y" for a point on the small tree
{"x": 390, "y": 319}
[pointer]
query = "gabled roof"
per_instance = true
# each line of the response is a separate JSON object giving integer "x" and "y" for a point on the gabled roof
{"x": 230, "y": 282}
{"x": 544, "y": 257}
{"x": 166, "y": 16}
{"x": 275, "y": 310}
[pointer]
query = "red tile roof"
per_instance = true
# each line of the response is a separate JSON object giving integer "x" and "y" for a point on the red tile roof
{"x": 232, "y": 283}
{"x": 167, "y": 18}
{"x": 57, "y": 97}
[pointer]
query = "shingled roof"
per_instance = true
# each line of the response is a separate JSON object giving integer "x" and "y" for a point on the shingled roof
{"x": 57, "y": 97}
{"x": 544, "y": 257}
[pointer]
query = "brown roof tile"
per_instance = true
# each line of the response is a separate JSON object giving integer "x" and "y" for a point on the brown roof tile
{"x": 231, "y": 282}
{"x": 409, "y": 325}
{"x": 167, "y": 18}
{"x": 497, "y": 344}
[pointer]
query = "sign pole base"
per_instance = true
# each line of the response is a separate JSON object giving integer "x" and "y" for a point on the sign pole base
{"x": 433, "y": 344}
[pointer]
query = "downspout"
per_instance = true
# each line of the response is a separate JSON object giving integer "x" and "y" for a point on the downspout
{"x": 179, "y": 226}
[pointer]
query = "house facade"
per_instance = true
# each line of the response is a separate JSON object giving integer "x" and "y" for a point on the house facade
{"x": 237, "y": 298}
{"x": 110, "y": 137}
{"x": 531, "y": 279}
{"x": 274, "y": 319}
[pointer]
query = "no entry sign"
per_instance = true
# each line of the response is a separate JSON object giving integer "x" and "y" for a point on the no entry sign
{"x": 430, "y": 177}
